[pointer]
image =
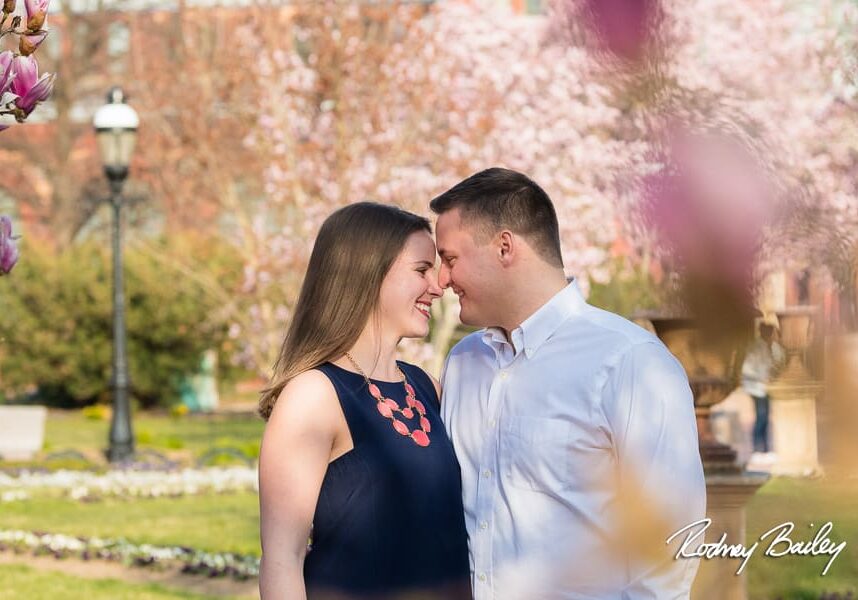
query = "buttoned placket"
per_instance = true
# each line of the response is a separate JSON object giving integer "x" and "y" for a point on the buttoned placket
{"x": 487, "y": 486}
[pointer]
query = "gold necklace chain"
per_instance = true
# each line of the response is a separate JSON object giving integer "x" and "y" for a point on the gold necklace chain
{"x": 359, "y": 370}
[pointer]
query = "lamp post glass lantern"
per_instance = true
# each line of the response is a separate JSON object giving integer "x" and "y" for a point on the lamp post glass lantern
{"x": 116, "y": 131}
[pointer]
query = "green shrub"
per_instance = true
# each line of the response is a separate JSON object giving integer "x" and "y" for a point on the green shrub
{"x": 57, "y": 321}
{"x": 96, "y": 412}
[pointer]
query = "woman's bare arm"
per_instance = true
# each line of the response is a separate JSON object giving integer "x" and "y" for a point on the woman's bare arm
{"x": 293, "y": 459}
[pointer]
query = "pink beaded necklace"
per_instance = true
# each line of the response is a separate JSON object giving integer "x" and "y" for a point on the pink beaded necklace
{"x": 387, "y": 407}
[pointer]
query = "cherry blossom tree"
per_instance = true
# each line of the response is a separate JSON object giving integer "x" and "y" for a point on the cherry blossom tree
{"x": 398, "y": 104}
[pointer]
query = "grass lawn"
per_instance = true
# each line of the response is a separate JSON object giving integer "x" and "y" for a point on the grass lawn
{"x": 192, "y": 434}
{"x": 803, "y": 502}
{"x": 230, "y": 522}
{"x": 219, "y": 523}
{"x": 24, "y": 583}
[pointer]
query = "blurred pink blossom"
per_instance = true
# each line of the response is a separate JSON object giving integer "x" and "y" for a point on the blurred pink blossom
{"x": 709, "y": 204}
{"x": 8, "y": 247}
{"x": 624, "y": 27}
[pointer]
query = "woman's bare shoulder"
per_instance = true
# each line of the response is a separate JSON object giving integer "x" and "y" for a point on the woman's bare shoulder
{"x": 308, "y": 400}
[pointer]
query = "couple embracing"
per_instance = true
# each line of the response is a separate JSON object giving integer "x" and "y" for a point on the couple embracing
{"x": 557, "y": 431}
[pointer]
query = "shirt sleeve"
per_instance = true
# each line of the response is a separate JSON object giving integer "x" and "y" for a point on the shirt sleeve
{"x": 650, "y": 411}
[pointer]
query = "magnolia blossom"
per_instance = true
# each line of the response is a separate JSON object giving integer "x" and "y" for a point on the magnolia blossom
{"x": 21, "y": 88}
{"x": 8, "y": 247}
{"x": 7, "y": 73}
{"x": 30, "y": 42}
{"x": 28, "y": 86}
{"x": 37, "y": 12}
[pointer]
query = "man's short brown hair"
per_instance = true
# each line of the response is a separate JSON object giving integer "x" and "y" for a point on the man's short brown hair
{"x": 497, "y": 199}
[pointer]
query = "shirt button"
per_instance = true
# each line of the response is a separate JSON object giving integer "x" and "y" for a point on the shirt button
{"x": 504, "y": 375}
{"x": 482, "y": 577}
{"x": 487, "y": 474}
{"x": 493, "y": 422}
{"x": 484, "y": 525}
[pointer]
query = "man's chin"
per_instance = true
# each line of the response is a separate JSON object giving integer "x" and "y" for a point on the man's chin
{"x": 470, "y": 320}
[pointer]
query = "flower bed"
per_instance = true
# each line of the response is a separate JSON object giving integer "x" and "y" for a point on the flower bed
{"x": 186, "y": 559}
{"x": 90, "y": 486}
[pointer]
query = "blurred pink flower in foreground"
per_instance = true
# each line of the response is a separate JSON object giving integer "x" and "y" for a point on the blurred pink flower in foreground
{"x": 709, "y": 205}
{"x": 8, "y": 247}
{"x": 624, "y": 27}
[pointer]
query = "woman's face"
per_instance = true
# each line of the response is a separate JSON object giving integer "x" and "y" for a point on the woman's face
{"x": 409, "y": 288}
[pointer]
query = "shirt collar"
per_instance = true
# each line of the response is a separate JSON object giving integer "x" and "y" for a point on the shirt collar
{"x": 539, "y": 326}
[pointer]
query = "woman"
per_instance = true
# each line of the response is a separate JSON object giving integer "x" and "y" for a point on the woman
{"x": 354, "y": 456}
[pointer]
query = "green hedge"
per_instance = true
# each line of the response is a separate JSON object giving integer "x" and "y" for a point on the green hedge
{"x": 56, "y": 321}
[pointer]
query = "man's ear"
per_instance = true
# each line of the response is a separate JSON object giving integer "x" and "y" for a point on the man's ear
{"x": 506, "y": 246}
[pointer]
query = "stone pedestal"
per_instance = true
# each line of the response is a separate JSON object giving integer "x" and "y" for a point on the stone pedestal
{"x": 792, "y": 416}
{"x": 22, "y": 431}
{"x": 794, "y": 433}
{"x": 727, "y": 495}
{"x": 840, "y": 406}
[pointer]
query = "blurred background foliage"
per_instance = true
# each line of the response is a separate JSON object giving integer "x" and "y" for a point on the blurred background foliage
{"x": 57, "y": 332}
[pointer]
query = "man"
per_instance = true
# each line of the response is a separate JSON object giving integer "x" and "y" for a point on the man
{"x": 574, "y": 428}
{"x": 764, "y": 356}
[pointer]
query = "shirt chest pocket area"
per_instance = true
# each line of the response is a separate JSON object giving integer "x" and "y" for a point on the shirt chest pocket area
{"x": 543, "y": 454}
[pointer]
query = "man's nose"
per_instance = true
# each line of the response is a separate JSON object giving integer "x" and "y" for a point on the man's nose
{"x": 444, "y": 279}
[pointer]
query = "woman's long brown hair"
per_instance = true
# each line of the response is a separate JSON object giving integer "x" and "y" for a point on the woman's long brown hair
{"x": 353, "y": 252}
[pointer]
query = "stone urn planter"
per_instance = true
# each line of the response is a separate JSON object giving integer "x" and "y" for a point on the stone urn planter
{"x": 713, "y": 371}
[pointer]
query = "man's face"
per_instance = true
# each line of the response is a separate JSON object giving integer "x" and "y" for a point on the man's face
{"x": 469, "y": 268}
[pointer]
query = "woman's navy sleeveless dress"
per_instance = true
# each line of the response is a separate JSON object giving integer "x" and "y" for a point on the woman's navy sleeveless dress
{"x": 389, "y": 520}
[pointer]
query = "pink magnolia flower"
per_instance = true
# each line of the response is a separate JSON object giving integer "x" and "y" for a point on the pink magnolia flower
{"x": 30, "y": 88}
{"x": 8, "y": 248}
{"x": 7, "y": 73}
{"x": 37, "y": 12}
{"x": 29, "y": 42}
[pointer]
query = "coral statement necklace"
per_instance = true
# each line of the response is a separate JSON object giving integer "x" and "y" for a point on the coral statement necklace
{"x": 387, "y": 407}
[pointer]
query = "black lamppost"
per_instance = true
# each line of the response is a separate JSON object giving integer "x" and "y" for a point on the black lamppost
{"x": 116, "y": 131}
